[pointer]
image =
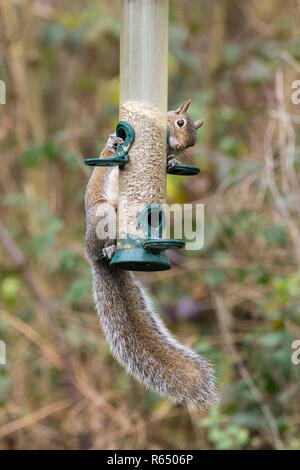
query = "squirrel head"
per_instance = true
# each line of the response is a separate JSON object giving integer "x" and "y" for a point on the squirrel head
{"x": 183, "y": 130}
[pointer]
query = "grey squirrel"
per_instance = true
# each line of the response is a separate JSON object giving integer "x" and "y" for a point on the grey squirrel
{"x": 138, "y": 338}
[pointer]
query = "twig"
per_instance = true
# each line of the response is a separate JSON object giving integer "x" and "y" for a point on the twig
{"x": 284, "y": 55}
{"x": 48, "y": 351}
{"x": 223, "y": 316}
{"x": 257, "y": 23}
{"x": 35, "y": 417}
{"x": 22, "y": 264}
{"x": 276, "y": 114}
{"x": 272, "y": 185}
{"x": 286, "y": 139}
{"x": 100, "y": 402}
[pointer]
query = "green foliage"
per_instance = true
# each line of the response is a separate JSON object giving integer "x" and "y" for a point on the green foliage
{"x": 79, "y": 289}
{"x": 287, "y": 287}
{"x": 232, "y": 146}
{"x": 10, "y": 287}
{"x": 222, "y": 433}
{"x": 215, "y": 277}
{"x": 49, "y": 226}
{"x": 37, "y": 153}
{"x": 258, "y": 72}
{"x": 5, "y": 387}
{"x": 231, "y": 53}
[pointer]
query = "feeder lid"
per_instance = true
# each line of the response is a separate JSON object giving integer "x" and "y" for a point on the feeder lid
{"x": 139, "y": 259}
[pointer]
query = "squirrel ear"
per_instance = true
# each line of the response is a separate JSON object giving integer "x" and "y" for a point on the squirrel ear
{"x": 184, "y": 107}
{"x": 198, "y": 123}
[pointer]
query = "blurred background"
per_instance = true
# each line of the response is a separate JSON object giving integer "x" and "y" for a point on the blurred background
{"x": 237, "y": 301}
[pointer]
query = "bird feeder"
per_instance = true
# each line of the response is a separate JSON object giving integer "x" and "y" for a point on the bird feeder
{"x": 143, "y": 127}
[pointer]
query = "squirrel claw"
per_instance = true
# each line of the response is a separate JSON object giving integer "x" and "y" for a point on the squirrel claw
{"x": 113, "y": 142}
{"x": 171, "y": 162}
{"x": 118, "y": 141}
{"x": 109, "y": 251}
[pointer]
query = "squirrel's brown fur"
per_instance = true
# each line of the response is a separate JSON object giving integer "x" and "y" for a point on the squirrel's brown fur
{"x": 138, "y": 338}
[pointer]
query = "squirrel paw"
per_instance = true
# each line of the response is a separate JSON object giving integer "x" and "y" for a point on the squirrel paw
{"x": 113, "y": 142}
{"x": 171, "y": 162}
{"x": 109, "y": 251}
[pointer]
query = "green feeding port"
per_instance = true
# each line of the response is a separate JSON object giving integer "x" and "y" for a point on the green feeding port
{"x": 148, "y": 253}
{"x": 126, "y": 132}
{"x": 152, "y": 220}
{"x": 184, "y": 170}
{"x": 139, "y": 259}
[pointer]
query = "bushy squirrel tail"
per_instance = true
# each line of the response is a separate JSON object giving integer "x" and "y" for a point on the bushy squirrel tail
{"x": 142, "y": 344}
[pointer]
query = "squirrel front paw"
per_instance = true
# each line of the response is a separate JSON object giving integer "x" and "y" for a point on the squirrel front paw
{"x": 113, "y": 142}
{"x": 171, "y": 162}
{"x": 109, "y": 251}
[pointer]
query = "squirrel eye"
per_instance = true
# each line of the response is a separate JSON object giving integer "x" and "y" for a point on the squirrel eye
{"x": 180, "y": 122}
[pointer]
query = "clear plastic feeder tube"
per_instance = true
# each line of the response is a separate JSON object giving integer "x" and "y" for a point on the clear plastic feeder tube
{"x": 143, "y": 103}
{"x": 144, "y": 52}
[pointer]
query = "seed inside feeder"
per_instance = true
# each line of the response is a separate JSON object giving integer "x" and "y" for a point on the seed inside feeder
{"x": 143, "y": 180}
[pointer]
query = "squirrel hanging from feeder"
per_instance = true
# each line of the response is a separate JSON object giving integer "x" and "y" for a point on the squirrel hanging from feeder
{"x": 138, "y": 338}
